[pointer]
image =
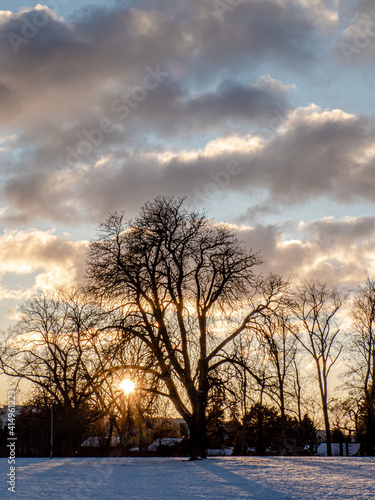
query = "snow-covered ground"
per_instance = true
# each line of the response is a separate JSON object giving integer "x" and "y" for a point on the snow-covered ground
{"x": 276, "y": 478}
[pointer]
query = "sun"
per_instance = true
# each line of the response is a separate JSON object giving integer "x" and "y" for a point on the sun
{"x": 127, "y": 386}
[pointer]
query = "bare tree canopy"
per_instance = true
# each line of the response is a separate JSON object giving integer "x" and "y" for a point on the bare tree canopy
{"x": 362, "y": 358}
{"x": 51, "y": 346}
{"x": 316, "y": 307}
{"x": 186, "y": 287}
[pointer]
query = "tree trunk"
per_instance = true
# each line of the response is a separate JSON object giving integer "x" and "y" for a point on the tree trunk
{"x": 369, "y": 415}
{"x": 284, "y": 442}
{"x": 322, "y": 377}
{"x": 370, "y": 409}
{"x": 110, "y": 432}
{"x": 197, "y": 430}
{"x": 260, "y": 441}
{"x": 327, "y": 429}
{"x": 244, "y": 420}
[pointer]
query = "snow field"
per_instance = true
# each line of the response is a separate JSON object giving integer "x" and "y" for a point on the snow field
{"x": 230, "y": 478}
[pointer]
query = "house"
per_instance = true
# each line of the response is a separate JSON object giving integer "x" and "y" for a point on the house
{"x": 347, "y": 449}
{"x": 99, "y": 442}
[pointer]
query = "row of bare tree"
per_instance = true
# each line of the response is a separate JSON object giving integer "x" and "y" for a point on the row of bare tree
{"x": 174, "y": 302}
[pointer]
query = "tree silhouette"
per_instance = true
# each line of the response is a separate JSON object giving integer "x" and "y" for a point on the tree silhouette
{"x": 362, "y": 360}
{"x": 186, "y": 287}
{"x": 316, "y": 307}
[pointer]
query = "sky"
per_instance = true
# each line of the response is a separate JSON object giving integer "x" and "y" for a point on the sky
{"x": 261, "y": 112}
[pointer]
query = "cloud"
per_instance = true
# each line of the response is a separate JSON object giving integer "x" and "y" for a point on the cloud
{"x": 48, "y": 62}
{"x": 339, "y": 252}
{"x": 61, "y": 77}
{"x": 357, "y": 42}
{"x": 167, "y": 113}
{"x": 307, "y": 154}
{"x": 71, "y": 67}
{"x": 323, "y": 13}
{"x": 318, "y": 153}
{"x": 178, "y": 136}
{"x": 52, "y": 261}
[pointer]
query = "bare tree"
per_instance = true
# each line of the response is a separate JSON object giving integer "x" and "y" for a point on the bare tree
{"x": 249, "y": 378}
{"x": 187, "y": 288}
{"x": 127, "y": 414}
{"x": 297, "y": 388}
{"x": 52, "y": 346}
{"x": 279, "y": 346}
{"x": 362, "y": 358}
{"x": 265, "y": 364}
{"x": 316, "y": 306}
